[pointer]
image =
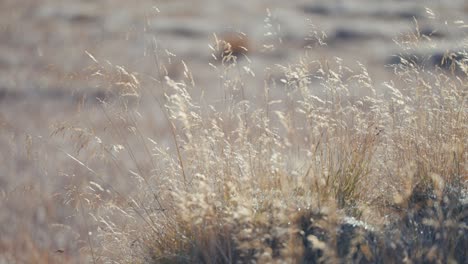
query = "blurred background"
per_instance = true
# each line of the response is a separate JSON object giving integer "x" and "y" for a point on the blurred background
{"x": 50, "y": 80}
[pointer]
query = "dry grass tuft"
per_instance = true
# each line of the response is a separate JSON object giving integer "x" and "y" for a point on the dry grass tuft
{"x": 325, "y": 166}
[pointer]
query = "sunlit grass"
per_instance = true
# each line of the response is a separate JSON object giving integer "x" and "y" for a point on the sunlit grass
{"x": 323, "y": 166}
{"x": 339, "y": 169}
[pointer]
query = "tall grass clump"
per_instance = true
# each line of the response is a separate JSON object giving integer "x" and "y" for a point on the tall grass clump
{"x": 320, "y": 165}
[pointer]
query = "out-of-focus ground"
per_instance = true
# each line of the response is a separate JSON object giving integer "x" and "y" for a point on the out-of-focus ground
{"x": 45, "y": 77}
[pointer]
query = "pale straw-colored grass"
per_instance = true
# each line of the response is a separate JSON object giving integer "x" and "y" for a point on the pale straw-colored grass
{"x": 337, "y": 169}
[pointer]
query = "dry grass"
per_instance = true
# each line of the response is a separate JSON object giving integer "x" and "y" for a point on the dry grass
{"x": 323, "y": 166}
{"x": 335, "y": 169}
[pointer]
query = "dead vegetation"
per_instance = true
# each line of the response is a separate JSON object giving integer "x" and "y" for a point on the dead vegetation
{"x": 336, "y": 170}
{"x": 325, "y": 166}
